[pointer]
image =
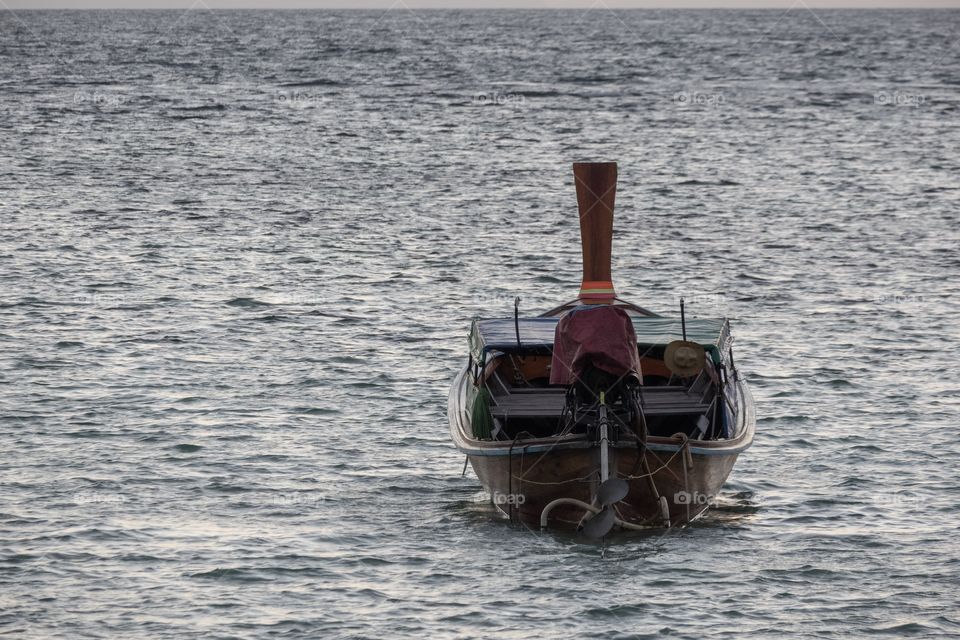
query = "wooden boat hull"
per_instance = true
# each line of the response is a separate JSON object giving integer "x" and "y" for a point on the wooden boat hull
{"x": 678, "y": 482}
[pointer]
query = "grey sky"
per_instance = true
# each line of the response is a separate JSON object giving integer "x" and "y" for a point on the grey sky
{"x": 464, "y": 4}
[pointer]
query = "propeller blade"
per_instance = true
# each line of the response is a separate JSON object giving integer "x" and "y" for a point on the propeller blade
{"x": 600, "y": 524}
{"x": 612, "y": 490}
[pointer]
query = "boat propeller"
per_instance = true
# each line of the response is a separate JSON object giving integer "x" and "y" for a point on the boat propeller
{"x": 611, "y": 490}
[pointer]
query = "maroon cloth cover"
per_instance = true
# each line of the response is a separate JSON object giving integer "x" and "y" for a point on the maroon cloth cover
{"x": 601, "y": 336}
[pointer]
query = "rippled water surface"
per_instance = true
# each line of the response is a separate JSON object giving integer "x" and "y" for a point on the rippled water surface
{"x": 240, "y": 251}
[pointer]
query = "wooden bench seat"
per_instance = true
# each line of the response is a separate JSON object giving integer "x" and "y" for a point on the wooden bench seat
{"x": 664, "y": 402}
{"x": 528, "y": 405}
{"x": 549, "y": 403}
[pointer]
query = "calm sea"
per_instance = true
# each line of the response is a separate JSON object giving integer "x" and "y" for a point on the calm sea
{"x": 239, "y": 254}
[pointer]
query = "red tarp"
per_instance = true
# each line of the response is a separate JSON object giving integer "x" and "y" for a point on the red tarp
{"x": 601, "y": 336}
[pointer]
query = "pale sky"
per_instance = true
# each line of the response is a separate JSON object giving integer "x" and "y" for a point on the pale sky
{"x": 17, "y": 5}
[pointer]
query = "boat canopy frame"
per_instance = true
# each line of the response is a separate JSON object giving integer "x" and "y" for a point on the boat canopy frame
{"x": 499, "y": 335}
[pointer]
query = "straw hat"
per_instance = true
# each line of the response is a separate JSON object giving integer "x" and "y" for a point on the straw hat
{"x": 684, "y": 359}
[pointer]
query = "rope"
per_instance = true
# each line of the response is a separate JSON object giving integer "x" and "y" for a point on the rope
{"x": 660, "y": 468}
{"x": 590, "y": 475}
{"x": 581, "y": 479}
{"x": 687, "y": 458}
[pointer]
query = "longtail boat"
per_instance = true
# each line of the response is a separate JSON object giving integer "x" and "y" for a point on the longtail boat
{"x": 600, "y": 413}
